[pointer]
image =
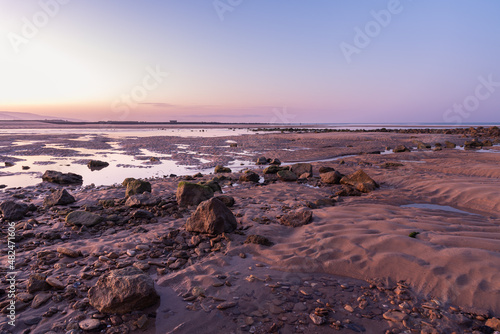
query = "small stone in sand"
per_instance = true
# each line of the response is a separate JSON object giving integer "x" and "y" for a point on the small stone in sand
{"x": 259, "y": 240}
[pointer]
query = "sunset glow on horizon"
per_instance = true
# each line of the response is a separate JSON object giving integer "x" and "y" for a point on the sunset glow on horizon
{"x": 252, "y": 61}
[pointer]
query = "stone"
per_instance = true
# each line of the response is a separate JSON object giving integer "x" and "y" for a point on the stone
{"x": 142, "y": 214}
{"x": 250, "y": 176}
{"x": 226, "y": 305}
{"x": 97, "y": 165}
{"x": 89, "y": 324}
{"x": 127, "y": 180}
{"x": 317, "y": 320}
{"x": 40, "y": 299}
{"x": 212, "y": 184}
{"x": 273, "y": 169}
{"x": 221, "y": 169}
{"x": 192, "y": 193}
{"x": 13, "y": 211}
{"x": 258, "y": 240}
{"x": 391, "y": 165}
{"x": 83, "y": 218}
{"x": 287, "y": 175}
{"x": 348, "y": 191}
{"x": 323, "y": 169}
{"x": 332, "y": 177}
{"x": 395, "y": 316}
{"x": 261, "y": 161}
{"x": 449, "y": 144}
{"x": 297, "y": 218}
{"x": 493, "y": 323}
{"x": 135, "y": 187}
{"x": 68, "y": 252}
{"x": 122, "y": 291}
{"x": 58, "y": 197}
{"x": 62, "y": 178}
{"x": 305, "y": 176}
{"x": 275, "y": 161}
{"x": 226, "y": 199}
{"x": 144, "y": 199}
{"x": 361, "y": 181}
{"x": 54, "y": 282}
{"x": 301, "y": 168}
{"x": 212, "y": 216}
{"x": 400, "y": 149}
{"x": 36, "y": 282}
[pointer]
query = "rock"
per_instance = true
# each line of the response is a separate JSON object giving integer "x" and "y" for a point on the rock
{"x": 36, "y": 282}
{"x": 144, "y": 199}
{"x": 122, "y": 291}
{"x": 391, "y": 165}
{"x": 212, "y": 217}
{"x": 135, "y": 187}
{"x": 361, "y": 181}
{"x": 249, "y": 176}
{"x": 192, "y": 193}
{"x": 422, "y": 146}
{"x": 301, "y": 168}
{"x": 212, "y": 184}
{"x": 273, "y": 169}
{"x": 395, "y": 316}
{"x": 142, "y": 214}
{"x": 261, "y": 161}
{"x": 226, "y": 305}
{"x": 221, "y": 169}
{"x": 40, "y": 299}
{"x": 305, "y": 176}
{"x": 297, "y": 218}
{"x": 68, "y": 252}
{"x": 83, "y": 218}
{"x": 97, "y": 165}
{"x": 326, "y": 170}
{"x": 233, "y": 144}
{"x": 13, "y": 211}
{"x": 400, "y": 149}
{"x": 8, "y": 164}
{"x": 493, "y": 323}
{"x": 347, "y": 191}
{"x": 58, "y": 197}
{"x": 226, "y": 199}
{"x": 62, "y": 178}
{"x": 127, "y": 180}
{"x": 275, "y": 161}
{"x": 287, "y": 175}
{"x": 449, "y": 144}
{"x": 54, "y": 282}
{"x": 25, "y": 167}
{"x": 89, "y": 324}
{"x": 332, "y": 177}
{"x": 317, "y": 320}
{"x": 259, "y": 240}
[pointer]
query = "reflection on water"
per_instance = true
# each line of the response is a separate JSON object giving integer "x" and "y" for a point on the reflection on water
{"x": 437, "y": 207}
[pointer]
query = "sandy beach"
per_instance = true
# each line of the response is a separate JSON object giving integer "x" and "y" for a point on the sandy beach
{"x": 413, "y": 247}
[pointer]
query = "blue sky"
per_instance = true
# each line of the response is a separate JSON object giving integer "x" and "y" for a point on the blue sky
{"x": 262, "y": 61}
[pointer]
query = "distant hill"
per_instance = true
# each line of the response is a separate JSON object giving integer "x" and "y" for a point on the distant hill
{"x": 26, "y": 116}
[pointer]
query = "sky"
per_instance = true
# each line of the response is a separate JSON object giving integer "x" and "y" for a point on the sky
{"x": 282, "y": 61}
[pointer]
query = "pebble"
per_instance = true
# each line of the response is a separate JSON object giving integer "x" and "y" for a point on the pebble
{"x": 395, "y": 316}
{"x": 226, "y": 305}
{"x": 89, "y": 324}
{"x": 317, "y": 320}
{"x": 54, "y": 282}
{"x": 131, "y": 252}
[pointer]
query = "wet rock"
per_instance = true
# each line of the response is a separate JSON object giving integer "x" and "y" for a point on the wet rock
{"x": 297, "y": 218}
{"x": 273, "y": 169}
{"x": 8, "y": 164}
{"x": 449, "y": 144}
{"x": 259, "y": 240}
{"x": 212, "y": 184}
{"x": 226, "y": 199}
{"x": 275, "y": 161}
{"x": 83, "y": 218}
{"x": 97, "y": 165}
{"x": 331, "y": 177}
{"x": 122, "y": 291}
{"x": 361, "y": 181}
{"x": 192, "y": 193}
{"x": 261, "y": 161}
{"x": 323, "y": 169}
{"x": 25, "y": 167}
{"x": 287, "y": 175}
{"x": 58, "y": 197}
{"x": 250, "y": 176}
{"x": 389, "y": 165}
{"x": 400, "y": 149}
{"x": 221, "y": 169}
{"x": 301, "y": 168}
{"x": 62, "y": 178}
{"x": 211, "y": 216}
{"x": 145, "y": 199}
{"x": 13, "y": 211}
{"x": 127, "y": 180}
{"x": 135, "y": 187}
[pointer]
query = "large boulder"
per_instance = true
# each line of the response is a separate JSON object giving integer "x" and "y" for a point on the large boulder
{"x": 83, "y": 218}
{"x": 12, "y": 210}
{"x": 59, "y": 197}
{"x": 97, "y": 165}
{"x": 287, "y": 175}
{"x": 213, "y": 217}
{"x": 301, "y": 168}
{"x": 297, "y": 218}
{"x": 122, "y": 291}
{"x": 331, "y": 177}
{"x": 62, "y": 178}
{"x": 249, "y": 176}
{"x": 135, "y": 187}
{"x": 221, "y": 169}
{"x": 360, "y": 181}
{"x": 192, "y": 194}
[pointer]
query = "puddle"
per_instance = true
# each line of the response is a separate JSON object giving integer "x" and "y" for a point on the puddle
{"x": 437, "y": 207}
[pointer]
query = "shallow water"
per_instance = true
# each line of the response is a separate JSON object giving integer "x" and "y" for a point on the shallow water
{"x": 437, "y": 207}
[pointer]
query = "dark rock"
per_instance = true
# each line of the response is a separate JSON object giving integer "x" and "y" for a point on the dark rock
{"x": 323, "y": 169}
{"x": 331, "y": 177}
{"x": 62, "y": 178}
{"x": 36, "y": 282}
{"x": 97, "y": 165}
{"x": 25, "y": 167}
{"x": 127, "y": 180}
{"x": 142, "y": 214}
{"x": 13, "y": 211}
{"x": 192, "y": 193}
{"x": 297, "y": 218}
{"x": 301, "y": 168}
{"x": 58, "y": 197}
{"x": 259, "y": 240}
{"x": 83, "y": 218}
{"x": 213, "y": 217}
{"x": 361, "y": 181}
{"x": 275, "y": 161}
{"x": 249, "y": 176}
{"x": 226, "y": 199}
{"x": 400, "y": 149}
{"x": 449, "y": 144}
{"x": 122, "y": 291}
{"x": 261, "y": 161}
{"x": 145, "y": 199}
{"x": 135, "y": 187}
{"x": 273, "y": 169}
{"x": 287, "y": 175}
{"x": 348, "y": 191}
{"x": 391, "y": 165}
{"x": 221, "y": 169}
{"x": 212, "y": 184}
